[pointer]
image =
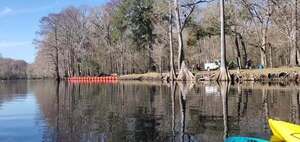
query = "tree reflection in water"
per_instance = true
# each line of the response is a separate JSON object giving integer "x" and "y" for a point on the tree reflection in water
{"x": 225, "y": 87}
{"x": 151, "y": 111}
{"x": 184, "y": 88}
{"x": 173, "y": 93}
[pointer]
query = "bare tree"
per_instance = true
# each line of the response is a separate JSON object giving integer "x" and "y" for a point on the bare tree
{"x": 285, "y": 19}
{"x": 261, "y": 12}
{"x": 93, "y": 41}
{"x": 184, "y": 72}
{"x": 50, "y": 24}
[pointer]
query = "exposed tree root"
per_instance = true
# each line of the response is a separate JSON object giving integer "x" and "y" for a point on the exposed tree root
{"x": 185, "y": 74}
{"x": 224, "y": 75}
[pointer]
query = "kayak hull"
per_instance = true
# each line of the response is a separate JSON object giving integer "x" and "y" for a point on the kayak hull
{"x": 285, "y": 131}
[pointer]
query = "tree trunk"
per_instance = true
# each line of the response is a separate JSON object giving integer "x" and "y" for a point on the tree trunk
{"x": 122, "y": 64}
{"x": 296, "y": 33}
{"x": 56, "y": 64}
{"x": 184, "y": 73}
{"x": 179, "y": 34}
{"x": 236, "y": 38}
{"x": 263, "y": 58}
{"x": 224, "y": 75}
{"x": 123, "y": 47}
{"x": 293, "y": 55}
{"x": 56, "y": 57}
{"x": 172, "y": 71}
{"x": 72, "y": 54}
{"x": 79, "y": 69}
{"x": 244, "y": 49}
{"x": 292, "y": 51}
{"x": 151, "y": 60}
{"x": 298, "y": 56}
{"x": 160, "y": 64}
{"x": 237, "y": 45}
{"x": 270, "y": 57}
{"x": 111, "y": 63}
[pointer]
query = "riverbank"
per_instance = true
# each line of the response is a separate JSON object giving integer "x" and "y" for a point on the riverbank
{"x": 151, "y": 76}
{"x": 269, "y": 74}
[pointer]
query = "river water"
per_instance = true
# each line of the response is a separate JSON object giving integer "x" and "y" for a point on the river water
{"x": 142, "y": 111}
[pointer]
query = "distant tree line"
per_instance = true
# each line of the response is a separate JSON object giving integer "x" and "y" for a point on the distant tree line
{"x": 12, "y": 69}
{"x": 134, "y": 36}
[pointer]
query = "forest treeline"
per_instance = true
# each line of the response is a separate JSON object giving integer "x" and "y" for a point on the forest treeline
{"x": 12, "y": 69}
{"x": 133, "y": 36}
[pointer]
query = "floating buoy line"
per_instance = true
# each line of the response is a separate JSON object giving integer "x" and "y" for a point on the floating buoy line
{"x": 100, "y": 80}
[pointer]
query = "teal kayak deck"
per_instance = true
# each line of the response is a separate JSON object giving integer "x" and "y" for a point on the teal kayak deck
{"x": 244, "y": 139}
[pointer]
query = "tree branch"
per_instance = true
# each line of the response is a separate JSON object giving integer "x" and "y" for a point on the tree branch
{"x": 195, "y": 3}
{"x": 192, "y": 6}
{"x": 187, "y": 17}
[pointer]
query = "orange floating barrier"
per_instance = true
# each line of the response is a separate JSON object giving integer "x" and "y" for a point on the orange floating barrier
{"x": 112, "y": 79}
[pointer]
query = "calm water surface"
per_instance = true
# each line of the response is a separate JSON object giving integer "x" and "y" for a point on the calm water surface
{"x": 34, "y": 111}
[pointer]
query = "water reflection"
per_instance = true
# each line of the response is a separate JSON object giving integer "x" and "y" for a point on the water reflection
{"x": 225, "y": 88}
{"x": 141, "y": 111}
{"x": 20, "y": 117}
{"x": 11, "y": 90}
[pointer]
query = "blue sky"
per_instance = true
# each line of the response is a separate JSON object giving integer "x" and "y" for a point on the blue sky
{"x": 19, "y": 22}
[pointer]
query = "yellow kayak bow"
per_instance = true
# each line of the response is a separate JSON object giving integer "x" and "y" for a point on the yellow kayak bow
{"x": 284, "y": 131}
